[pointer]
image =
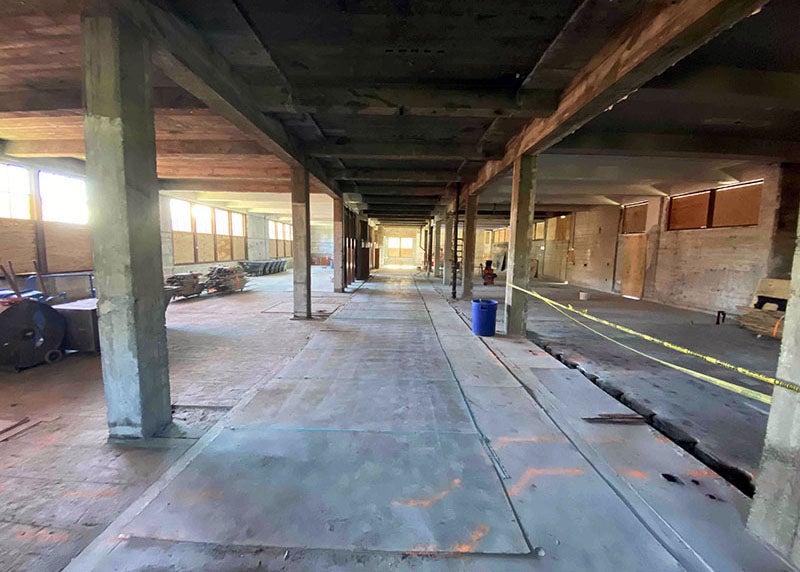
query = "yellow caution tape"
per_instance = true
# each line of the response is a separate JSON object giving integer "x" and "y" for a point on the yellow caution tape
{"x": 712, "y": 360}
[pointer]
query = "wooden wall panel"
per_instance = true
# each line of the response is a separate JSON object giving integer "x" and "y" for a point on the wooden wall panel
{"x": 239, "y": 252}
{"x": 18, "y": 243}
{"x": 273, "y": 248}
{"x": 68, "y": 247}
{"x": 689, "y": 211}
{"x": 739, "y": 206}
{"x": 634, "y": 219}
{"x": 223, "y": 248}
{"x": 182, "y": 247}
{"x": 205, "y": 247}
{"x": 634, "y": 256}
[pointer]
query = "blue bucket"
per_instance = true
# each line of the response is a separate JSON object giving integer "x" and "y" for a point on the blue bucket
{"x": 484, "y": 317}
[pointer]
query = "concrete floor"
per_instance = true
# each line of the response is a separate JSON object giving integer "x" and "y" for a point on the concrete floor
{"x": 62, "y": 483}
{"x": 724, "y": 429}
{"x": 397, "y": 440}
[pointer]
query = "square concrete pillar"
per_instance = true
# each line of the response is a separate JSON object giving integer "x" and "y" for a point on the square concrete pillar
{"x": 339, "y": 261}
{"x": 301, "y": 243}
{"x": 124, "y": 217}
{"x": 775, "y": 512}
{"x": 523, "y": 196}
{"x": 468, "y": 258}
{"x": 447, "y": 267}
{"x": 429, "y": 254}
{"x": 437, "y": 248}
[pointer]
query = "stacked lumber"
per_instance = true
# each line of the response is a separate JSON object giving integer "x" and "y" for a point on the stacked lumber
{"x": 762, "y": 322}
{"x": 225, "y": 278}
{"x": 186, "y": 284}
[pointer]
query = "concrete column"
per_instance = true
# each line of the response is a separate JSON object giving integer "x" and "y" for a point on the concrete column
{"x": 523, "y": 196}
{"x": 468, "y": 261}
{"x": 447, "y": 267}
{"x": 783, "y": 239}
{"x": 437, "y": 248}
{"x": 123, "y": 193}
{"x": 301, "y": 245}
{"x": 775, "y": 512}
{"x": 429, "y": 252}
{"x": 339, "y": 261}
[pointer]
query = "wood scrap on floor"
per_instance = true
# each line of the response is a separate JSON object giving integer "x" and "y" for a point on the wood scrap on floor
{"x": 187, "y": 284}
{"x": 617, "y": 418}
{"x": 765, "y": 317}
{"x": 225, "y": 279}
{"x": 8, "y": 426}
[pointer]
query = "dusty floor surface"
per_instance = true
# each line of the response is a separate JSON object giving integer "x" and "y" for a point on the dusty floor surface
{"x": 397, "y": 440}
{"x": 722, "y": 428}
{"x": 62, "y": 483}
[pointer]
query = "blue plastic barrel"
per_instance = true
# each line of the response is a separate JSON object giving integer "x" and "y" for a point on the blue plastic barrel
{"x": 484, "y": 316}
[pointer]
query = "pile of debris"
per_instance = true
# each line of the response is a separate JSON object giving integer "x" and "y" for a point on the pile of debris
{"x": 765, "y": 316}
{"x": 186, "y": 283}
{"x": 225, "y": 279}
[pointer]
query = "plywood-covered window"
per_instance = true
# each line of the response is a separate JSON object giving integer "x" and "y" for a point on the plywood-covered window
{"x": 737, "y": 206}
{"x": 689, "y": 211}
{"x": 15, "y": 192}
{"x": 634, "y": 218}
{"x": 406, "y": 247}
{"x": 538, "y": 230}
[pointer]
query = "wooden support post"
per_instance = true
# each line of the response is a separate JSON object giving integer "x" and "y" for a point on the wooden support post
{"x": 454, "y": 267}
{"x": 447, "y": 269}
{"x": 523, "y": 195}
{"x": 339, "y": 259}
{"x": 301, "y": 243}
{"x": 468, "y": 263}
{"x": 123, "y": 191}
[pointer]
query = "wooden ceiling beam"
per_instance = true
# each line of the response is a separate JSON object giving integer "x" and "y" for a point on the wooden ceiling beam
{"x": 396, "y": 151}
{"x": 657, "y": 37}
{"x": 395, "y": 176}
{"x": 75, "y": 148}
{"x": 227, "y": 184}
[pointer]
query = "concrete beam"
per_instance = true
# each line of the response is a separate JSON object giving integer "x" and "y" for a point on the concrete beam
{"x": 397, "y": 151}
{"x": 123, "y": 191}
{"x": 301, "y": 243}
{"x": 396, "y": 176}
{"x": 523, "y": 197}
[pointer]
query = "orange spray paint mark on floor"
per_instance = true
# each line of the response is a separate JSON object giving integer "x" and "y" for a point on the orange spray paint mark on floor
{"x": 430, "y": 501}
{"x": 41, "y": 536}
{"x": 474, "y": 538}
{"x": 527, "y": 477}
{"x": 91, "y": 494}
{"x": 503, "y": 442}
{"x": 702, "y": 473}
{"x": 634, "y": 474}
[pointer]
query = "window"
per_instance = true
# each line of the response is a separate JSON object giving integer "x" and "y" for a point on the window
{"x": 634, "y": 218}
{"x": 15, "y": 192}
{"x": 237, "y": 224}
{"x": 202, "y": 219}
{"x": 689, "y": 211}
{"x": 406, "y": 247}
{"x": 280, "y": 231}
{"x": 735, "y": 205}
{"x": 180, "y": 213}
{"x": 273, "y": 233}
{"x": 63, "y": 199}
{"x": 221, "y": 222}
{"x": 394, "y": 247}
{"x": 738, "y": 205}
{"x": 290, "y": 232}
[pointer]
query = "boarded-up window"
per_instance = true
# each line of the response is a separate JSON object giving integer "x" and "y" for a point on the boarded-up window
{"x": 393, "y": 249}
{"x": 634, "y": 218}
{"x": 406, "y": 247}
{"x": 737, "y": 206}
{"x": 538, "y": 231}
{"x": 689, "y": 211}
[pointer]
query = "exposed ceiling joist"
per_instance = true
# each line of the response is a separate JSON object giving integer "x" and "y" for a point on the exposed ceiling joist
{"x": 395, "y": 176}
{"x": 396, "y": 151}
